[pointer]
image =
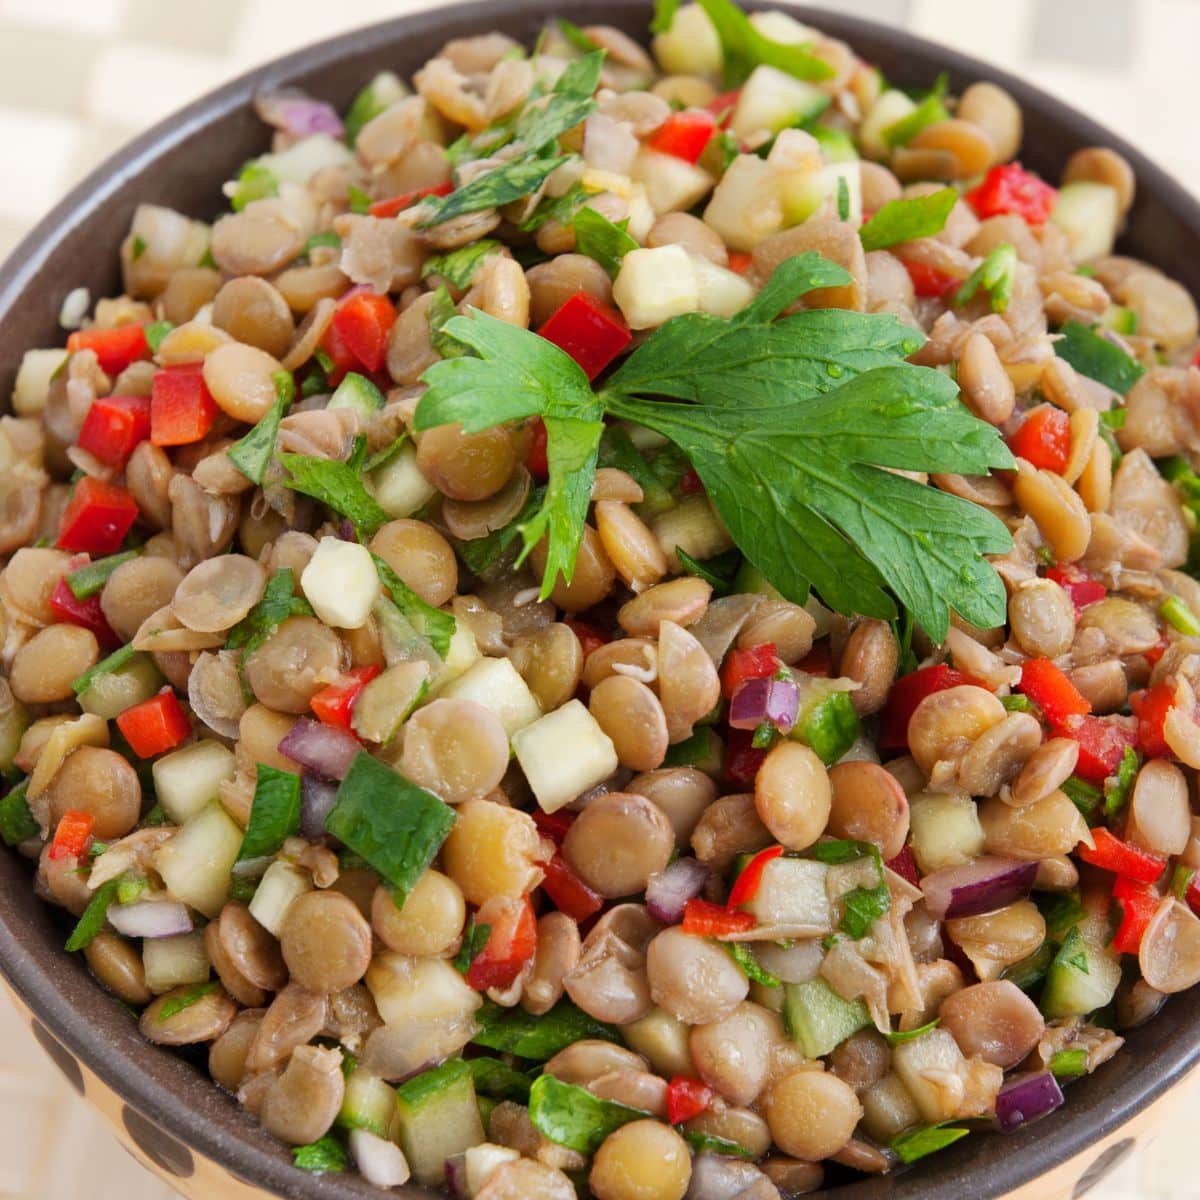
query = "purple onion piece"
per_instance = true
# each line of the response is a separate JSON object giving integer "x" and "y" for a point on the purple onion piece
{"x": 321, "y": 749}
{"x": 297, "y": 114}
{"x": 757, "y": 700}
{"x": 317, "y": 797}
{"x": 981, "y": 886}
{"x": 669, "y": 891}
{"x": 456, "y": 1177}
{"x": 150, "y": 918}
{"x": 1026, "y": 1098}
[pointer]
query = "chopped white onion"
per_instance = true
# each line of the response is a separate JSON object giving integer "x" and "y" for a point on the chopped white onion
{"x": 380, "y": 1161}
{"x": 74, "y": 308}
{"x": 150, "y": 918}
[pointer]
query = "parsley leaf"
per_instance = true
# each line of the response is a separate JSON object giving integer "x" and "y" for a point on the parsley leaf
{"x": 514, "y": 1031}
{"x": 436, "y": 626}
{"x": 94, "y": 915}
{"x": 440, "y": 312}
{"x": 573, "y": 1117}
{"x": 601, "y": 239}
{"x": 253, "y": 453}
{"x": 710, "y": 1143}
{"x": 1093, "y": 355}
{"x": 995, "y": 275}
{"x": 458, "y": 266}
{"x": 544, "y": 121}
{"x": 498, "y": 1080}
{"x": 484, "y": 555}
{"x": 185, "y": 999}
{"x": 744, "y": 957}
{"x": 325, "y": 1156}
{"x": 474, "y": 940}
{"x": 573, "y": 34}
{"x": 904, "y": 220}
{"x": 556, "y": 208}
{"x": 156, "y": 333}
{"x": 337, "y": 485}
{"x": 17, "y": 822}
{"x": 862, "y": 907}
{"x": 274, "y": 812}
{"x": 279, "y": 601}
{"x": 745, "y": 48}
{"x": 928, "y": 112}
{"x": 492, "y": 190}
{"x": 899, "y": 1037}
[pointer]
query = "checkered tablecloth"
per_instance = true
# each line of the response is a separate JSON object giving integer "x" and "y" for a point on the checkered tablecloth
{"x": 79, "y": 77}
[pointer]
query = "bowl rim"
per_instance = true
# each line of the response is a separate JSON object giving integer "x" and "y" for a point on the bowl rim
{"x": 39, "y": 985}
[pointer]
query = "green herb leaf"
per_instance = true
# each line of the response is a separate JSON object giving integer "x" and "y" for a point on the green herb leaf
{"x": 498, "y": 1080}
{"x": 843, "y": 198}
{"x": 571, "y": 1116}
{"x": 745, "y": 48}
{"x": 917, "y": 1143}
{"x": 1181, "y": 880}
{"x": 360, "y": 202}
{"x": 157, "y": 816}
{"x": 17, "y": 823}
{"x": 905, "y": 220}
{"x": 381, "y": 92}
{"x": 327, "y": 239}
{"x": 1085, "y": 796}
{"x": 556, "y": 208}
{"x": 543, "y": 122}
{"x": 710, "y": 1143}
{"x": 717, "y": 572}
{"x": 274, "y": 812}
{"x": 862, "y": 907}
{"x": 87, "y": 581}
{"x": 830, "y": 727}
{"x": 395, "y": 825}
{"x": 1073, "y": 951}
{"x": 337, "y": 485}
{"x": 253, "y": 453}
{"x": 514, "y": 1031}
{"x": 995, "y": 275}
{"x": 326, "y": 1156}
{"x": 664, "y": 15}
{"x": 1017, "y": 703}
{"x": 494, "y": 189}
{"x": 114, "y": 662}
{"x": 185, "y": 999}
{"x": 486, "y": 555}
{"x": 898, "y": 1037}
{"x": 750, "y": 967}
{"x": 1093, "y": 355}
{"x": 254, "y": 182}
{"x": 1116, "y": 791}
{"x": 440, "y": 312}
{"x": 137, "y": 247}
{"x": 575, "y": 36}
{"x": 279, "y": 601}
{"x": 1069, "y": 1064}
{"x": 843, "y": 850}
{"x": 437, "y": 626}
{"x": 156, "y": 333}
{"x": 458, "y": 266}
{"x": 474, "y": 940}
{"x": 928, "y": 112}
{"x": 598, "y": 238}
{"x": 94, "y": 915}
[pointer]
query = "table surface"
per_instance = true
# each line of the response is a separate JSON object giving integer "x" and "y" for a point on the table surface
{"x": 79, "y": 77}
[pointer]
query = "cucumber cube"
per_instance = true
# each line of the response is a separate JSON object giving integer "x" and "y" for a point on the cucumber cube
{"x": 564, "y": 754}
{"x": 187, "y": 780}
{"x": 818, "y": 1019}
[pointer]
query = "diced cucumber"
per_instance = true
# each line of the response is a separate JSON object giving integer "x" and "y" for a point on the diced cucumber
{"x": 704, "y": 750}
{"x": 1120, "y": 319}
{"x": 771, "y": 100}
{"x": 888, "y": 1109}
{"x": 496, "y": 684}
{"x": 383, "y": 91}
{"x": 827, "y": 723}
{"x": 655, "y": 284}
{"x": 1029, "y": 972}
{"x": 436, "y": 1117}
{"x": 563, "y": 754}
{"x": 368, "y": 1104}
{"x": 281, "y": 887}
{"x": 945, "y": 831}
{"x": 691, "y": 46}
{"x": 745, "y": 208}
{"x": 1088, "y": 213}
{"x": 110, "y": 693}
{"x": 836, "y": 144}
{"x": 804, "y": 192}
{"x": 1081, "y": 979}
{"x": 922, "y": 1064}
{"x": 358, "y": 393}
{"x": 671, "y": 184}
{"x": 170, "y": 962}
{"x": 195, "y": 862}
{"x": 463, "y": 654}
{"x": 187, "y": 780}
{"x": 341, "y": 583}
{"x": 398, "y": 485}
{"x": 791, "y": 898}
{"x": 818, "y": 1019}
{"x": 890, "y": 107}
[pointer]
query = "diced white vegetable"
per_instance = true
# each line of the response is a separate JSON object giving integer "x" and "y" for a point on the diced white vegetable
{"x": 691, "y": 46}
{"x": 795, "y": 150}
{"x": 33, "y": 380}
{"x": 745, "y": 208}
{"x": 924, "y": 1066}
{"x": 463, "y": 654}
{"x": 945, "y": 831}
{"x": 301, "y": 161}
{"x": 368, "y": 1102}
{"x": 564, "y": 754}
{"x": 482, "y": 1160}
{"x": 663, "y": 1039}
{"x": 195, "y": 862}
{"x": 672, "y": 184}
{"x": 398, "y": 485}
{"x": 279, "y": 889}
{"x": 892, "y": 106}
{"x": 174, "y": 961}
{"x": 641, "y": 215}
{"x": 802, "y": 193}
{"x": 341, "y": 583}
{"x": 381, "y": 1162}
{"x": 771, "y": 100}
{"x": 609, "y": 144}
{"x": 888, "y": 1109}
{"x": 187, "y": 780}
{"x": 693, "y": 526}
{"x": 436, "y": 1125}
{"x": 656, "y": 284}
{"x": 1088, "y": 213}
{"x": 780, "y": 27}
{"x": 74, "y": 308}
{"x": 722, "y": 292}
{"x": 792, "y": 899}
{"x": 496, "y": 684}
{"x": 409, "y": 991}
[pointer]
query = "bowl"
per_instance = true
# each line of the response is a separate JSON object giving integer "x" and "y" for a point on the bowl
{"x": 162, "y": 1105}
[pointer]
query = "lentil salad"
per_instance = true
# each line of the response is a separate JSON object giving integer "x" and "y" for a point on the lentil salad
{"x": 325, "y": 958}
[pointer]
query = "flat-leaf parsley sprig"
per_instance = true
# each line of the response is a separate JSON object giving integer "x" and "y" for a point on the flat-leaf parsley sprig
{"x": 794, "y": 425}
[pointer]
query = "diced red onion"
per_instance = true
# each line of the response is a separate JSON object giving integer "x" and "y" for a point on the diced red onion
{"x": 981, "y": 886}
{"x": 317, "y": 797}
{"x": 150, "y": 919}
{"x": 757, "y": 700}
{"x": 1026, "y": 1098}
{"x": 380, "y": 1161}
{"x": 669, "y": 891}
{"x": 323, "y": 749}
{"x": 456, "y": 1177}
{"x": 297, "y": 114}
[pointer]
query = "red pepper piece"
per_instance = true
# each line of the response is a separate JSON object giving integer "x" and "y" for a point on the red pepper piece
{"x": 1050, "y": 689}
{"x": 334, "y": 703}
{"x": 714, "y": 920}
{"x": 590, "y": 332}
{"x": 510, "y": 945}
{"x": 749, "y": 662}
{"x": 1157, "y": 651}
{"x": 1151, "y": 707}
{"x": 553, "y": 825}
{"x": 905, "y": 866}
{"x": 722, "y": 106}
{"x": 1138, "y": 904}
{"x": 739, "y": 261}
{"x": 97, "y": 518}
{"x": 114, "y": 348}
{"x": 590, "y": 637}
{"x": 1121, "y": 858}
{"x": 397, "y": 204}
{"x": 908, "y": 691}
{"x": 690, "y": 484}
{"x": 568, "y": 893}
{"x": 1080, "y": 586}
{"x": 362, "y": 322}
{"x": 746, "y": 885}
{"x": 687, "y": 1098}
{"x": 156, "y": 725}
{"x": 742, "y": 757}
{"x": 929, "y": 281}
{"x": 182, "y": 409}
{"x": 1102, "y": 742}
{"x": 1044, "y": 439}
{"x": 1009, "y": 188}
{"x": 339, "y": 354}
{"x": 114, "y": 425}
{"x": 685, "y": 134}
{"x": 536, "y": 461}
{"x": 85, "y": 613}
{"x": 73, "y": 835}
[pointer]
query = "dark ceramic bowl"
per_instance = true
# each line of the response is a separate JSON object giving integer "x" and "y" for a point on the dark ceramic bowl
{"x": 161, "y": 1104}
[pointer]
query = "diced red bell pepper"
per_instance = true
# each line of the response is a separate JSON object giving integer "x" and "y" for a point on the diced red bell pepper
{"x": 1121, "y": 858}
{"x": 553, "y": 825}
{"x": 73, "y": 835}
{"x": 97, "y": 518}
{"x": 690, "y": 484}
{"x": 721, "y": 106}
{"x": 510, "y": 945}
{"x": 590, "y": 638}
{"x": 334, "y": 703}
{"x": 1049, "y": 688}
{"x": 1139, "y": 902}
{"x": 714, "y": 920}
{"x": 742, "y": 757}
{"x": 536, "y": 461}
{"x": 87, "y": 614}
{"x": 1102, "y": 742}
{"x": 746, "y": 885}
{"x": 1151, "y": 707}
{"x": 905, "y": 866}
{"x": 568, "y": 893}
{"x": 1080, "y": 586}
{"x": 156, "y": 725}
{"x": 748, "y": 662}
{"x": 182, "y": 409}
{"x": 739, "y": 261}
{"x": 929, "y": 282}
{"x": 1157, "y": 651}
{"x": 687, "y": 1098}
{"x": 908, "y": 691}
{"x": 1191, "y": 895}
{"x": 590, "y": 332}
{"x": 397, "y": 204}
{"x": 114, "y": 425}
{"x": 1009, "y": 188}
{"x": 339, "y": 354}
{"x": 685, "y": 134}
{"x": 1044, "y": 438}
{"x": 115, "y": 348}
{"x": 363, "y": 321}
